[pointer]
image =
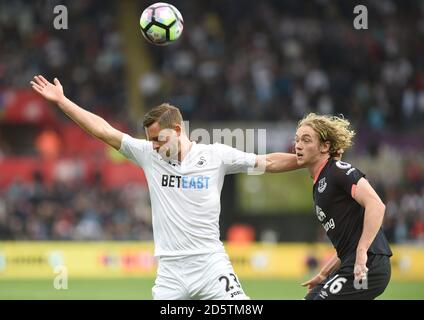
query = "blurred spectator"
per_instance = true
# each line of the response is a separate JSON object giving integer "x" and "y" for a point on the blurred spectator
{"x": 4, "y": 147}
{"x": 312, "y": 262}
{"x": 48, "y": 144}
{"x": 417, "y": 230}
{"x": 241, "y": 234}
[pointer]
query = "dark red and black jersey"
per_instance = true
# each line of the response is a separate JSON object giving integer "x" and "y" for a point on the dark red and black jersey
{"x": 341, "y": 216}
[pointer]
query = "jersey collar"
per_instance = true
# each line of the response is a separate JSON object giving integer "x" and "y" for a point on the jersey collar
{"x": 320, "y": 170}
{"x": 189, "y": 152}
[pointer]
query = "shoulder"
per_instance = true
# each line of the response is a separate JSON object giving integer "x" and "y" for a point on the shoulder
{"x": 131, "y": 147}
{"x": 202, "y": 149}
{"x": 340, "y": 166}
{"x": 136, "y": 142}
{"x": 218, "y": 146}
{"x": 345, "y": 171}
{"x": 210, "y": 151}
{"x": 218, "y": 149}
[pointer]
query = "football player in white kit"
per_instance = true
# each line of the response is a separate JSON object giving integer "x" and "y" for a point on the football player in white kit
{"x": 185, "y": 181}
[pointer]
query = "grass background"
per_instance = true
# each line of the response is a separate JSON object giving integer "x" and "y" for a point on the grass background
{"x": 140, "y": 289}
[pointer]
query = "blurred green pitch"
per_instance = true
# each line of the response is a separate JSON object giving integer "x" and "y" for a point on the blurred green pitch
{"x": 140, "y": 289}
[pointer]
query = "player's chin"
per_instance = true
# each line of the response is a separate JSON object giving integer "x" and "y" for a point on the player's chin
{"x": 300, "y": 160}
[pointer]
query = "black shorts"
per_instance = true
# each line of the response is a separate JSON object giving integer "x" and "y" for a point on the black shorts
{"x": 340, "y": 285}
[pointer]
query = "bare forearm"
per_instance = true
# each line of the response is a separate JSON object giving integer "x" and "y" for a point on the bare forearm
{"x": 280, "y": 162}
{"x": 330, "y": 266}
{"x": 91, "y": 123}
{"x": 373, "y": 218}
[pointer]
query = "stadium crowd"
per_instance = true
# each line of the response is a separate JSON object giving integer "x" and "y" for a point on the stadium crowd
{"x": 271, "y": 60}
{"x": 72, "y": 210}
{"x": 277, "y": 60}
{"x": 87, "y": 56}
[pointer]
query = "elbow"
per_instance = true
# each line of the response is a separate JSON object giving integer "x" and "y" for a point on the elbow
{"x": 382, "y": 208}
{"x": 376, "y": 208}
{"x": 105, "y": 135}
{"x": 272, "y": 167}
{"x": 100, "y": 134}
{"x": 379, "y": 208}
{"x": 269, "y": 165}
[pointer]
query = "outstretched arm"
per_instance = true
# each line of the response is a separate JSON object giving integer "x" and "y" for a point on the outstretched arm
{"x": 281, "y": 162}
{"x": 93, "y": 124}
{"x": 277, "y": 162}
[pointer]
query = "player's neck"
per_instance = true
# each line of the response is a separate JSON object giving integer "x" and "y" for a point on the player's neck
{"x": 185, "y": 146}
{"x": 316, "y": 167}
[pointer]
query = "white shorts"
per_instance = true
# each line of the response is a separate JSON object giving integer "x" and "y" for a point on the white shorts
{"x": 205, "y": 277}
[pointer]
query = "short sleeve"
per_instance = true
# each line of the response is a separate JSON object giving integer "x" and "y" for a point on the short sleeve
{"x": 136, "y": 150}
{"x": 346, "y": 176}
{"x": 234, "y": 160}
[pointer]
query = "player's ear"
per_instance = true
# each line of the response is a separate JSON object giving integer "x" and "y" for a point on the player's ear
{"x": 178, "y": 129}
{"x": 339, "y": 154}
{"x": 325, "y": 147}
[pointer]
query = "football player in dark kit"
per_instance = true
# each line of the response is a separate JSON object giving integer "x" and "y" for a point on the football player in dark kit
{"x": 350, "y": 211}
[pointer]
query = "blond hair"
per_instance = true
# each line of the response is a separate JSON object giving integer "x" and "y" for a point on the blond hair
{"x": 333, "y": 129}
{"x": 165, "y": 114}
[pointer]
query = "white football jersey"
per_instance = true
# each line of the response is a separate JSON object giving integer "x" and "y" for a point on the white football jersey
{"x": 185, "y": 197}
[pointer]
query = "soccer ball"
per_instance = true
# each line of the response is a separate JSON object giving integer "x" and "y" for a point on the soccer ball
{"x": 161, "y": 23}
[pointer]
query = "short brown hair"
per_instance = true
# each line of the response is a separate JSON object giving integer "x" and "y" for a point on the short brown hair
{"x": 165, "y": 114}
{"x": 333, "y": 129}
